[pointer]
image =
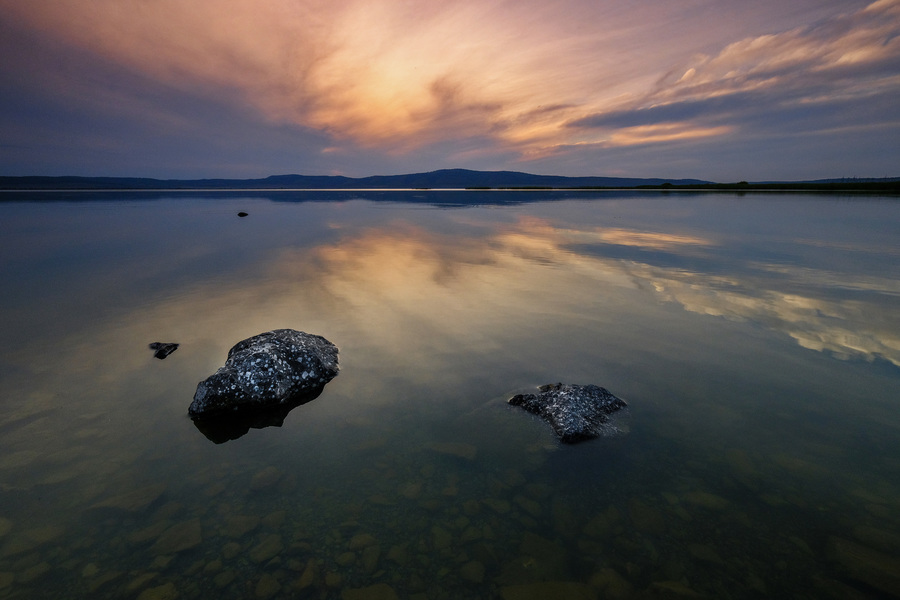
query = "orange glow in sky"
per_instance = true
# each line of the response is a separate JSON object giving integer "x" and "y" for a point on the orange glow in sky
{"x": 519, "y": 80}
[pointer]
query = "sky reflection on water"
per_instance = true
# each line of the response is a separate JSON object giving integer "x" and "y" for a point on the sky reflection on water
{"x": 755, "y": 339}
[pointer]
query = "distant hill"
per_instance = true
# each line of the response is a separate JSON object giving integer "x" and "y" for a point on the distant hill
{"x": 845, "y": 180}
{"x": 445, "y": 178}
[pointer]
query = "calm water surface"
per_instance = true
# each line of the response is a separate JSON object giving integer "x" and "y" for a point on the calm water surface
{"x": 756, "y": 340}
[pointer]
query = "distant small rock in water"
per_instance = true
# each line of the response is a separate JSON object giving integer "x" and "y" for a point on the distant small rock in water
{"x": 242, "y": 214}
{"x": 276, "y": 369}
{"x": 575, "y": 412}
{"x": 163, "y": 349}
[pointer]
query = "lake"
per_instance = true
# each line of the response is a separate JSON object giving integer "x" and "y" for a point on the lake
{"x": 755, "y": 338}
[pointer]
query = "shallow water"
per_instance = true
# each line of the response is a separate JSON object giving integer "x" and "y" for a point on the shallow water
{"x": 756, "y": 339}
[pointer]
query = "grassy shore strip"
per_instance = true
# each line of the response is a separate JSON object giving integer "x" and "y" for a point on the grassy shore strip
{"x": 886, "y": 187}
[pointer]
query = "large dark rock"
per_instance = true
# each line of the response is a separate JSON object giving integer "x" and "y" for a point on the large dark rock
{"x": 576, "y": 412}
{"x": 277, "y": 368}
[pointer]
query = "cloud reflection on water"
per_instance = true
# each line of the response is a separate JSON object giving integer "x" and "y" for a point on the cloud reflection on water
{"x": 403, "y": 293}
{"x": 417, "y": 274}
{"x": 430, "y": 305}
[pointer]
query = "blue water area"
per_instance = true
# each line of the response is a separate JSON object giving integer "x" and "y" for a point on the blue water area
{"x": 755, "y": 338}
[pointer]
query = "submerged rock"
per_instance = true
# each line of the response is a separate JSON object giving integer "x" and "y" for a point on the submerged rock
{"x": 133, "y": 501}
{"x": 163, "y": 349}
{"x": 876, "y": 569}
{"x": 276, "y": 369}
{"x": 575, "y": 412}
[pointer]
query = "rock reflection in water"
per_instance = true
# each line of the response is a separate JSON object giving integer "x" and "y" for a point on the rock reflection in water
{"x": 225, "y": 427}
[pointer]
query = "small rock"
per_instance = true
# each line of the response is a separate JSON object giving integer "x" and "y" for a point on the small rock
{"x": 267, "y": 587}
{"x": 163, "y": 592}
{"x": 441, "y": 538}
{"x": 379, "y": 591}
{"x": 470, "y": 534}
{"x": 30, "y": 539}
{"x": 613, "y": 585}
{"x": 237, "y": 526}
{"x": 530, "y": 506}
{"x": 309, "y": 576}
{"x": 230, "y": 550}
{"x": 151, "y": 532}
{"x": 876, "y": 569}
{"x": 411, "y": 490}
{"x": 275, "y": 520}
{"x": 675, "y": 588}
{"x": 133, "y": 501}
{"x": 32, "y": 573}
{"x": 361, "y": 540}
{"x": 705, "y": 553}
{"x": 370, "y": 558}
{"x": 460, "y": 450}
{"x": 706, "y": 500}
{"x": 399, "y": 555}
{"x": 5, "y": 526}
{"x": 140, "y": 581}
{"x": 472, "y": 571}
{"x": 242, "y": 214}
{"x": 646, "y": 519}
{"x": 223, "y": 579}
{"x": 267, "y": 549}
{"x": 333, "y": 580}
{"x": 265, "y": 479}
{"x": 162, "y": 562}
{"x": 501, "y": 507}
{"x": 551, "y": 562}
{"x": 179, "y": 537}
{"x": 163, "y": 349}
{"x": 95, "y": 584}
{"x": 878, "y": 538}
{"x": 212, "y": 566}
{"x": 548, "y": 589}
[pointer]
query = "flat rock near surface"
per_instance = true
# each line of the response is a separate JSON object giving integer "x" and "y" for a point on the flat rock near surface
{"x": 575, "y": 412}
{"x": 163, "y": 349}
{"x": 280, "y": 367}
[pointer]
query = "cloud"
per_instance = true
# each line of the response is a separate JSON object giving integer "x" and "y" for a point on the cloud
{"x": 813, "y": 75}
{"x": 468, "y": 82}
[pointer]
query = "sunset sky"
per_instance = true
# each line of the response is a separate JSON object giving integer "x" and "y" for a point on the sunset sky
{"x": 713, "y": 89}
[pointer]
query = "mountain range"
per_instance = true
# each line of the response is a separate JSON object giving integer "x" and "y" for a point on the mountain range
{"x": 444, "y": 178}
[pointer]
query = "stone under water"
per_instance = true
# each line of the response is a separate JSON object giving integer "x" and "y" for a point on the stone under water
{"x": 575, "y": 412}
{"x": 278, "y": 368}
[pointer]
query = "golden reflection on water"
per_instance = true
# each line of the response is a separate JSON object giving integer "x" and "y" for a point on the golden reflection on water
{"x": 438, "y": 316}
{"x": 417, "y": 294}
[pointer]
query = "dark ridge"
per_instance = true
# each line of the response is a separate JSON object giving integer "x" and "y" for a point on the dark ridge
{"x": 441, "y": 179}
{"x": 445, "y": 178}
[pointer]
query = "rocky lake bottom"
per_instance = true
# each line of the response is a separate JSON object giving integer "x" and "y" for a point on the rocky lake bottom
{"x": 755, "y": 340}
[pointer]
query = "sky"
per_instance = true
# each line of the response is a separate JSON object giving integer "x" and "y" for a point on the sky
{"x": 723, "y": 90}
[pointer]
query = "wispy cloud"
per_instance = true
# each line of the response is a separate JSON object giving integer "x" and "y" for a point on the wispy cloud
{"x": 808, "y": 76}
{"x": 494, "y": 78}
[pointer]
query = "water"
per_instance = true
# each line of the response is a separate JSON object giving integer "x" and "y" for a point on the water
{"x": 756, "y": 339}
